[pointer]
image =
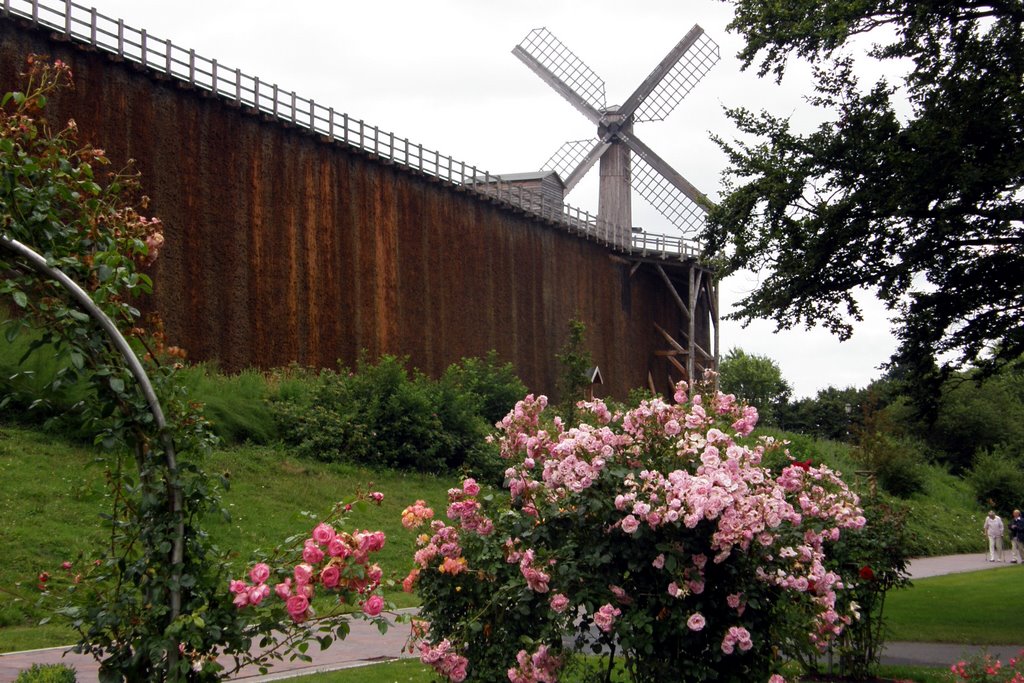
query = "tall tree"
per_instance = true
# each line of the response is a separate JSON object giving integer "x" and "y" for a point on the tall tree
{"x": 755, "y": 379}
{"x": 913, "y": 190}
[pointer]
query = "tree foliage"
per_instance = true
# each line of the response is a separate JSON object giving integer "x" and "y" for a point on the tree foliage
{"x": 756, "y": 380}
{"x": 912, "y": 190}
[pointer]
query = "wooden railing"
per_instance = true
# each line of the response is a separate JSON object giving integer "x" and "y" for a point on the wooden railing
{"x": 84, "y": 24}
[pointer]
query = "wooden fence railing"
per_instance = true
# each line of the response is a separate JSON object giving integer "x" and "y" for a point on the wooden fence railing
{"x": 84, "y": 24}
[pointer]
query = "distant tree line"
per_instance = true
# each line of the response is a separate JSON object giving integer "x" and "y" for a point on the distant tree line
{"x": 976, "y": 429}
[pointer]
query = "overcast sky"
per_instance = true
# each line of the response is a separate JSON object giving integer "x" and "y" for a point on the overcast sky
{"x": 441, "y": 74}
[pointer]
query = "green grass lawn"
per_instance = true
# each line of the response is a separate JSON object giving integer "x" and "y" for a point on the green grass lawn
{"x": 59, "y": 486}
{"x": 979, "y": 608}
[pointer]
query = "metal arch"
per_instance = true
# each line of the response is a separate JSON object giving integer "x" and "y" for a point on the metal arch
{"x": 39, "y": 264}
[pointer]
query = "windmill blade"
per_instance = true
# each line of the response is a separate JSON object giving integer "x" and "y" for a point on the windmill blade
{"x": 667, "y": 191}
{"x": 660, "y": 71}
{"x": 673, "y": 79}
{"x": 679, "y": 209}
{"x": 574, "y": 159}
{"x": 556, "y": 64}
{"x": 662, "y": 167}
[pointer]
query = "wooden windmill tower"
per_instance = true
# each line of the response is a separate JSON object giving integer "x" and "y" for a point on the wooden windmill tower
{"x": 626, "y": 162}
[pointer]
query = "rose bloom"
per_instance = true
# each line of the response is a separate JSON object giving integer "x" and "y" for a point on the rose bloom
{"x": 303, "y": 573}
{"x": 259, "y": 573}
{"x": 298, "y": 608}
{"x": 312, "y": 554}
{"x": 558, "y": 602}
{"x": 323, "y": 533}
{"x": 284, "y": 589}
{"x": 373, "y": 606}
{"x": 630, "y": 524}
{"x": 330, "y": 576}
{"x": 605, "y": 617}
{"x": 470, "y": 487}
{"x": 338, "y": 548}
{"x": 696, "y": 621}
{"x": 410, "y": 581}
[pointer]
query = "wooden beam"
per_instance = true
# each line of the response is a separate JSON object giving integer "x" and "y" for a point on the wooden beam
{"x": 672, "y": 290}
{"x": 692, "y": 331}
{"x": 669, "y": 353}
{"x": 636, "y": 266}
{"x": 668, "y": 337}
{"x": 650, "y": 383}
{"x": 678, "y": 365}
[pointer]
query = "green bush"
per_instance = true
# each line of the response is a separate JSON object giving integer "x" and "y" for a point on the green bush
{"x": 997, "y": 479}
{"x": 494, "y": 386}
{"x": 382, "y": 415}
{"x": 47, "y": 673}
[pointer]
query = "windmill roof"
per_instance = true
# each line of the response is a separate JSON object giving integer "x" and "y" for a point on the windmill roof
{"x": 518, "y": 177}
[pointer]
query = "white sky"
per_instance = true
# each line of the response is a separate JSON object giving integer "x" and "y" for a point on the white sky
{"x": 441, "y": 74}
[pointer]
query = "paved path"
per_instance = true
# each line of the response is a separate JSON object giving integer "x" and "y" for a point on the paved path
{"x": 365, "y": 645}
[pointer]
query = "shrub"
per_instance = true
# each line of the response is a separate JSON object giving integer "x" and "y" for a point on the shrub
{"x": 47, "y": 673}
{"x": 650, "y": 536}
{"x": 382, "y": 415}
{"x": 897, "y": 463}
{"x": 997, "y": 479}
{"x": 494, "y": 386}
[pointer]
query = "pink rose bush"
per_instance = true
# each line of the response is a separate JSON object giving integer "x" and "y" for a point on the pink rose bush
{"x": 665, "y": 534}
{"x": 332, "y": 568}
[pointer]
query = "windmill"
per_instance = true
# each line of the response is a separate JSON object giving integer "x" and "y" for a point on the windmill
{"x": 626, "y": 162}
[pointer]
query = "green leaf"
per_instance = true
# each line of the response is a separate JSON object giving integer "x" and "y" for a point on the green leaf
{"x": 117, "y": 385}
{"x": 20, "y": 298}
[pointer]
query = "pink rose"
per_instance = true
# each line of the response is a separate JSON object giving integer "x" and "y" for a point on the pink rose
{"x": 630, "y": 524}
{"x": 257, "y": 593}
{"x": 373, "y": 606}
{"x": 696, "y": 621}
{"x": 284, "y": 589}
{"x": 323, "y": 533}
{"x": 470, "y": 487}
{"x": 338, "y": 548}
{"x": 558, "y": 602}
{"x": 303, "y": 573}
{"x": 239, "y": 586}
{"x": 312, "y": 554}
{"x": 605, "y": 617}
{"x": 259, "y": 573}
{"x": 298, "y": 608}
{"x": 330, "y": 576}
{"x": 241, "y": 599}
{"x": 659, "y": 561}
{"x": 377, "y": 497}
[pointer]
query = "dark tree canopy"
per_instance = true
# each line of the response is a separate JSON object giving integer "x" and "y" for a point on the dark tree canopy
{"x": 911, "y": 189}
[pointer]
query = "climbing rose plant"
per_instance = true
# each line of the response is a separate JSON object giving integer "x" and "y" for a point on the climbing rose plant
{"x": 658, "y": 537}
{"x": 311, "y": 587}
{"x": 140, "y": 613}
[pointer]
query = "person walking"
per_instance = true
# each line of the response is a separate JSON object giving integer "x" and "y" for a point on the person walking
{"x": 1017, "y": 538}
{"x": 993, "y": 528}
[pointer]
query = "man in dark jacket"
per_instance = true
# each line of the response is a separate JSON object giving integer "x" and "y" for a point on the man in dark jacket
{"x": 1017, "y": 537}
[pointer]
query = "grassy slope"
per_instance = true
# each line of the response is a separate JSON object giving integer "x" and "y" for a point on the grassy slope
{"x": 944, "y": 518}
{"x": 59, "y": 487}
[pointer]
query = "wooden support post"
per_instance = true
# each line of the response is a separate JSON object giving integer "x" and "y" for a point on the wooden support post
{"x": 692, "y": 328}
